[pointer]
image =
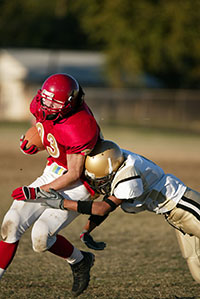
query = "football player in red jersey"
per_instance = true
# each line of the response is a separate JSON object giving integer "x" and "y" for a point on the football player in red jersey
{"x": 69, "y": 132}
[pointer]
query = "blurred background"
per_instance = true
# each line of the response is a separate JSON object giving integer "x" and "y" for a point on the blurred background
{"x": 138, "y": 61}
{"x": 139, "y": 65}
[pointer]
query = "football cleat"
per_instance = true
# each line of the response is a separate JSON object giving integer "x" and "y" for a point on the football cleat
{"x": 81, "y": 273}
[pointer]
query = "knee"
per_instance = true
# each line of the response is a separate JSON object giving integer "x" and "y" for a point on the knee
{"x": 41, "y": 240}
{"x": 10, "y": 231}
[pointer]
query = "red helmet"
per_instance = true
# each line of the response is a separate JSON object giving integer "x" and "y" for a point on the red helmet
{"x": 60, "y": 94}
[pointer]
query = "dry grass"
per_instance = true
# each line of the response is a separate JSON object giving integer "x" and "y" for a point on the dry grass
{"x": 142, "y": 258}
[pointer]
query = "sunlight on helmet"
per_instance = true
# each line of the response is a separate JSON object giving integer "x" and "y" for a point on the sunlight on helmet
{"x": 49, "y": 102}
{"x": 101, "y": 165}
{"x": 59, "y": 95}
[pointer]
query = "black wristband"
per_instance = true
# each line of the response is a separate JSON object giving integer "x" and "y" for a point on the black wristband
{"x": 85, "y": 207}
{"x": 110, "y": 202}
{"x": 98, "y": 219}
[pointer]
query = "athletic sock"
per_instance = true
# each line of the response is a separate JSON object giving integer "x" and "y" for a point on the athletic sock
{"x": 75, "y": 257}
{"x": 7, "y": 253}
{"x": 62, "y": 247}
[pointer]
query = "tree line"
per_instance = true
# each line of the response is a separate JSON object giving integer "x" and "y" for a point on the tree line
{"x": 155, "y": 38}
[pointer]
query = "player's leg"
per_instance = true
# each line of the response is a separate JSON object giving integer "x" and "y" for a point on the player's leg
{"x": 52, "y": 221}
{"x": 80, "y": 262}
{"x": 190, "y": 249}
{"x": 7, "y": 253}
{"x": 45, "y": 237}
{"x": 186, "y": 217}
{"x": 16, "y": 221}
{"x": 46, "y": 228}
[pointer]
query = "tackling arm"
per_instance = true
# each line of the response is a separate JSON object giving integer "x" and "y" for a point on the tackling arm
{"x": 85, "y": 236}
{"x": 98, "y": 211}
{"x": 54, "y": 199}
{"x": 101, "y": 208}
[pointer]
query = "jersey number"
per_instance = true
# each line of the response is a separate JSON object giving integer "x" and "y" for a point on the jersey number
{"x": 53, "y": 149}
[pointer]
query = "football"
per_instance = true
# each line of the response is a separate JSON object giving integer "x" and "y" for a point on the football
{"x": 33, "y": 137}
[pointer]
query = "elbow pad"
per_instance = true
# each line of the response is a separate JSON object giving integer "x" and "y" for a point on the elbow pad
{"x": 110, "y": 202}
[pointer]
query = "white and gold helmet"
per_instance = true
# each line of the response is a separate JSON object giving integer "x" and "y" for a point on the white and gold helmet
{"x": 101, "y": 165}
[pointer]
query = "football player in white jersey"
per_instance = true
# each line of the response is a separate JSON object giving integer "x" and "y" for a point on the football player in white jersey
{"x": 136, "y": 184}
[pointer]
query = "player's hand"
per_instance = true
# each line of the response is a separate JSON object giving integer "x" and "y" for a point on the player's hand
{"x": 87, "y": 239}
{"x": 52, "y": 199}
{"x": 25, "y": 193}
{"x": 31, "y": 150}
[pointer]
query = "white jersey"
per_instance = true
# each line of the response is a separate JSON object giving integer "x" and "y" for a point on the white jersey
{"x": 143, "y": 185}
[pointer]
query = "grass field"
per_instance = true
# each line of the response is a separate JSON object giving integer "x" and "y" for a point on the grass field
{"x": 142, "y": 258}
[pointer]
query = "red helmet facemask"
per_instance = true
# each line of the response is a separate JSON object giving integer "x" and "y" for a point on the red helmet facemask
{"x": 59, "y": 95}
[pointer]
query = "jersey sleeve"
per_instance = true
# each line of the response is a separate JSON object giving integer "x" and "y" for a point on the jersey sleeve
{"x": 129, "y": 189}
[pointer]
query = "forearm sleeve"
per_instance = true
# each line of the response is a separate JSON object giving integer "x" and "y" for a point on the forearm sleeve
{"x": 98, "y": 219}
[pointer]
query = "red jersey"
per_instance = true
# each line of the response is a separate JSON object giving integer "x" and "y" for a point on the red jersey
{"x": 75, "y": 134}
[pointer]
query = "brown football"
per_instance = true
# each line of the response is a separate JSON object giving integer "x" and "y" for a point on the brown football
{"x": 33, "y": 137}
